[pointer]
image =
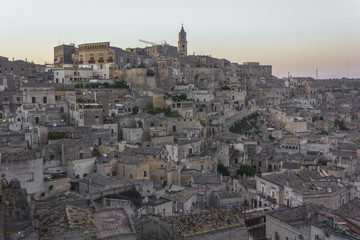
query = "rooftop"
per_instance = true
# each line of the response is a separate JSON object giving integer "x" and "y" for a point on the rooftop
{"x": 66, "y": 217}
{"x": 112, "y": 222}
{"x": 142, "y": 151}
{"x": 296, "y": 215}
{"x": 201, "y": 223}
{"x": 350, "y": 210}
{"x": 20, "y": 156}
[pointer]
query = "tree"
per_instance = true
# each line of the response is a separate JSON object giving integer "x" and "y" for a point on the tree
{"x": 341, "y": 125}
{"x": 223, "y": 170}
{"x": 246, "y": 170}
{"x": 183, "y": 97}
{"x": 135, "y": 109}
{"x": 106, "y": 85}
{"x": 150, "y": 73}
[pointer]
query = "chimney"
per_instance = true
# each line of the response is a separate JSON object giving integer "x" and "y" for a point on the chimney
{"x": 62, "y": 154}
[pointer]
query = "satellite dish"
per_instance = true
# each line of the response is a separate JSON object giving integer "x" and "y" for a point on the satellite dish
{"x": 54, "y": 124}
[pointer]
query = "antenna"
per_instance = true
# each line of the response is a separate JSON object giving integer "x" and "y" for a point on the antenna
{"x": 347, "y": 69}
{"x": 317, "y": 73}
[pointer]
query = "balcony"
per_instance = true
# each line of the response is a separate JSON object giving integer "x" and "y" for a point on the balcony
{"x": 272, "y": 200}
{"x": 110, "y": 60}
{"x": 6, "y": 102}
{"x": 267, "y": 198}
{"x": 101, "y": 60}
{"x": 91, "y": 61}
{"x": 262, "y": 195}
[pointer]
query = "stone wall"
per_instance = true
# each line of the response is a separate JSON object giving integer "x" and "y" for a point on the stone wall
{"x": 284, "y": 231}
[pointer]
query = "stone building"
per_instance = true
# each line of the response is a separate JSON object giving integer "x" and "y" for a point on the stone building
{"x": 128, "y": 168}
{"x": 38, "y": 93}
{"x": 63, "y": 55}
{"x": 86, "y": 114}
{"x": 309, "y": 222}
{"x": 295, "y": 189}
{"x": 254, "y": 70}
{"x": 70, "y": 74}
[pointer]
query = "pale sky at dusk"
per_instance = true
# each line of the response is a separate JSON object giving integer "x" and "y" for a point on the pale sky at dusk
{"x": 292, "y": 35}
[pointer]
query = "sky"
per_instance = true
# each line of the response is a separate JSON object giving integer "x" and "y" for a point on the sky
{"x": 294, "y": 36}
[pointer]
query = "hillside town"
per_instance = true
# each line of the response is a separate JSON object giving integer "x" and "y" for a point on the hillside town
{"x": 155, "y": 142}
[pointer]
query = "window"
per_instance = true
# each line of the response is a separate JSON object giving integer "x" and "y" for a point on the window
{"x": 52, "y": 156}
{"x": 154, "y": 156}
{"x": 131, "y": 176}
{"x": 190, "y": 150}
{"x": 277, "y": 237}
{"x": 81, "y": 155}
{"x": 30, "y": 176}
{"x": 33, "y": 100}
{"x": 18, "y": 99}
{"x": 44, "y": 100}
{"x": 145, "y": 174}
{"x": 113, "y": 173}
{"x": 96, "y": 116}
{"x": 202, "y": 167}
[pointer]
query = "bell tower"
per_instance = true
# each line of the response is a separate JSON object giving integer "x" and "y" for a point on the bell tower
{"x": 182, "y": 43}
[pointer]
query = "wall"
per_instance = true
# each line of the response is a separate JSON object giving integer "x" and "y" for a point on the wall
{"x": 81, "y": 167}
{"x": 132, "y": 135}
{"x": 284, "y": 230}
{"x": 28, "y": 172}
{"x": 59, "y": 185}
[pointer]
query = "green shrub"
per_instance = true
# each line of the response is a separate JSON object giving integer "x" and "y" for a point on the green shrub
{"x": 56, "y": 135}
{"x": 246, "y": 170}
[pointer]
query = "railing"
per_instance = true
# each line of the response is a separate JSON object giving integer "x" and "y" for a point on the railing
{"x": 272, "y": 200}
{"x": 110, "y": 60}
{"x": 91, "y": 61}
{"x": 266, "y": 197}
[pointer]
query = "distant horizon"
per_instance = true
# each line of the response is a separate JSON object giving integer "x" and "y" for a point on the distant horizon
{"x": 297, "y": 76}
{"x": 296, "y": 37}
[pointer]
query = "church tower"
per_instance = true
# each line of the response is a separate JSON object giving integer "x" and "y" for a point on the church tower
{"x": 182, "y": 43}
